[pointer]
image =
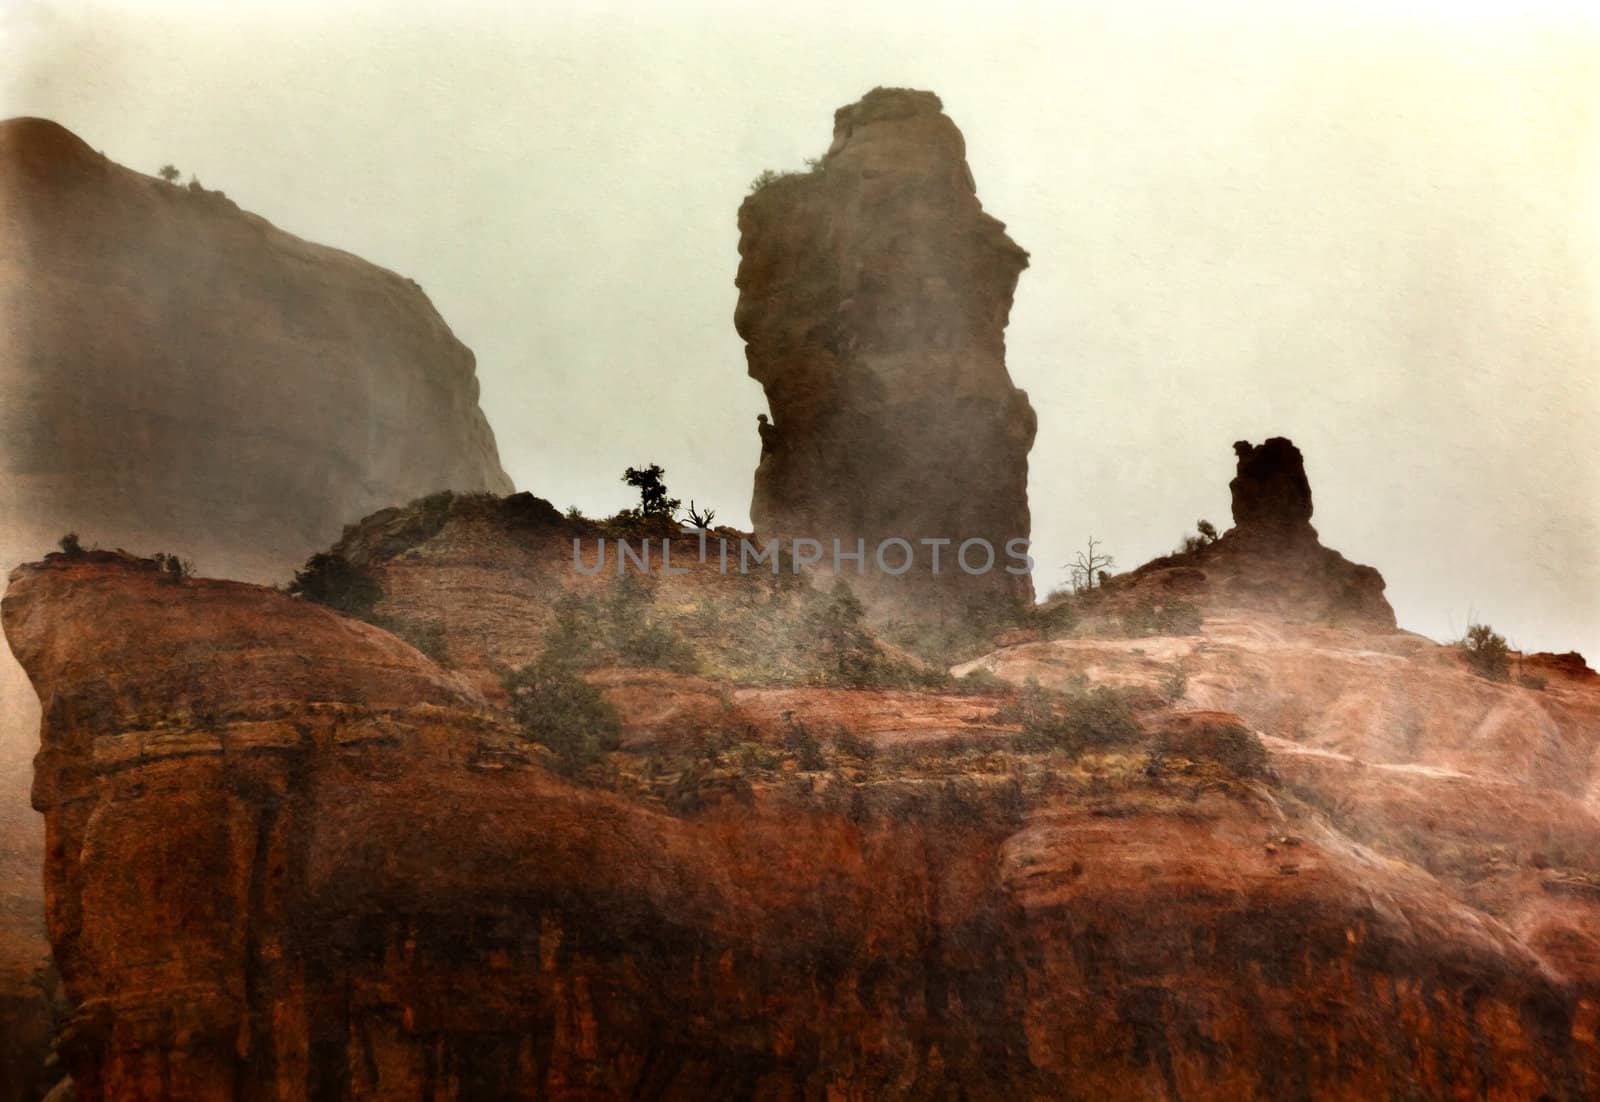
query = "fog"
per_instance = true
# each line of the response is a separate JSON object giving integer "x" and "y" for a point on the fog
{"x": 1372, "y": 228}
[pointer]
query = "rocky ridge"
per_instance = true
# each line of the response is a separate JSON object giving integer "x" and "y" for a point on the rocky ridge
{"x": 417, "y": 902}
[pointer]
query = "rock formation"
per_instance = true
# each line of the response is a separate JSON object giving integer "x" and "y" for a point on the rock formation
{"x": 1271, "y": 496}
{"x": 1269, "y": 563}
{"x": 293, "y": 857}
{"x": 873, "y": 299}
{"x": 178, "y": 374}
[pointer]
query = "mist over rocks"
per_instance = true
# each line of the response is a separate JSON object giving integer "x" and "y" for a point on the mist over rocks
{"x": 177, "y": 369}
{"x": 874, "y": 293}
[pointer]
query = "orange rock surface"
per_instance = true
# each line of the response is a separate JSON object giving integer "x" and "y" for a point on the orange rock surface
{"x": 290, "y": 856}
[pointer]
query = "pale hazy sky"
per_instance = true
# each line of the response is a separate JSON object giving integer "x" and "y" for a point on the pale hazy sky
{"x": 1372, "y": 227}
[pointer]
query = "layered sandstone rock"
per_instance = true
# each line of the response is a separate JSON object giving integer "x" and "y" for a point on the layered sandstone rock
{"x": 178, "y": 374}
{"x": 873, "y": 299}
{"x": 1488, "y": 785}
{"x": 292, "y": 857}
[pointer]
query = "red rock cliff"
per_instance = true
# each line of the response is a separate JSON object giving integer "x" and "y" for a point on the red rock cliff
{"x": 179, "y": 374}
{"x": 291, "y": 857}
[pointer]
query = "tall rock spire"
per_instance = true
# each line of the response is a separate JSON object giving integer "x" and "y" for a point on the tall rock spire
{"x": 873, "y": 299}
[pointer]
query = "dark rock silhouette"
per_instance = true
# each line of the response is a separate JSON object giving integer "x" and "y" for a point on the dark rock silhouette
{"x": 1271, "y": 495}
{"x": 873, "y": 299}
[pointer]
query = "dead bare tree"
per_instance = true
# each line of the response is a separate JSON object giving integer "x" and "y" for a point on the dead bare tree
{"x": 1089, "y": 566}
{"x": 699, "y": 519}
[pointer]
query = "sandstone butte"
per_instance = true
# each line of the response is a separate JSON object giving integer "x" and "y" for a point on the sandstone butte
{"x": 874, "y": 293}
{"x": 177, "y": 374}
{"x": 293, "y": 856}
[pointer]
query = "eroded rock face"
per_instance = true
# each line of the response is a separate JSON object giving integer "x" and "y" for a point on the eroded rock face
{"x": 873, "y": 299}
{"x": 291, "y": 857}
{"x": 177, "y": 374}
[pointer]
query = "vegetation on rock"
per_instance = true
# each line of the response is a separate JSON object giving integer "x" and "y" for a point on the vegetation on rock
{"x": 555, "y": 707}
{"x": 1487, "y": 652}
{"x": 328, "y": 578}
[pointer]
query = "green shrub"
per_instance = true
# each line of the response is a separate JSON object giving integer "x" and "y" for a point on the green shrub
{"x": 172, "y": 566}
{"x": 576, "y": 634}
{"x": 633, "y": 634}
{"x": 685, "y": 797}
{"x": 799, "y": 741}
{"x": 1237, "y": 749}
{"x": 654, "y": 644}
{"x": 1174, "y": 685}
{"x": 1056, "y": 620}
{"x": 424, "y": 637}
{"x": 557, "y": 708}
{"x": 70, "y": 546}
{"x": 850, "y": 744}
{"x": 653, "y": 500}
{"x": 620, "y": 627}
{"x": 980, "y": 680}
{"x": 756, "y": 757}
{"x": 328, "y": 578}
{"x": 1532, "y": 681}
{"x": 848, "y": 653}
{"x": 1487, "y": 652}
{"x": 1097, "y": 718}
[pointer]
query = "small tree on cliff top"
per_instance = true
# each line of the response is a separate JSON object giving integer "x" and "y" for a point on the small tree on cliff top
{"x": 653, "y": 500}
